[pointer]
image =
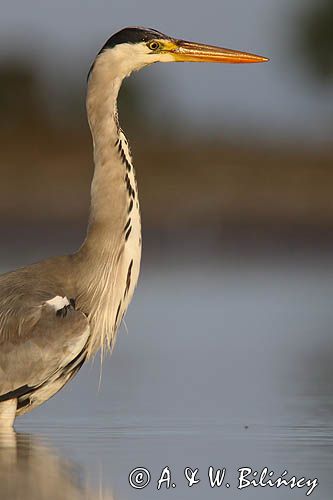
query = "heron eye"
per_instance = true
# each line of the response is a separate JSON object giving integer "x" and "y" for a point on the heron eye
{"x": 153, "y": 45}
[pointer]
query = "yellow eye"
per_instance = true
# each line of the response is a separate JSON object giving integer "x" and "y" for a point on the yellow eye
{"x": 153, "y": 45}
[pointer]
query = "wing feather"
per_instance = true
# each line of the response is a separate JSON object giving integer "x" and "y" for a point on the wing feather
{"x": 36, "y": 344}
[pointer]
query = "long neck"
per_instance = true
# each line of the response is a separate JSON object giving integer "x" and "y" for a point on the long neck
{"x": 114, "y": 230}
{"x": 109, "y": 194}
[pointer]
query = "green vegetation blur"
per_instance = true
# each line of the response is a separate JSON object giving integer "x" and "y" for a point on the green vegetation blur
{"x": 316, "y": 40}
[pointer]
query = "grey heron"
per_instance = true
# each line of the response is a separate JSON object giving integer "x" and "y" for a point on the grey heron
{"x": 57, "y": 313}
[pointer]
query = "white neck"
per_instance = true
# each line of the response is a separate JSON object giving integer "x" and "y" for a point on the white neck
{"x": 113, "y": 239}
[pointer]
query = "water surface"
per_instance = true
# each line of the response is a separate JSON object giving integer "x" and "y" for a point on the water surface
{"x": 225, "y": 364}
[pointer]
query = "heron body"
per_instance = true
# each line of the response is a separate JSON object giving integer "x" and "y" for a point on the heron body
{"x": 56, "y": 314}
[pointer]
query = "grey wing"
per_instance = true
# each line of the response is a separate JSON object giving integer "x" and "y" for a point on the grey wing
{"x": 39, "y": 352}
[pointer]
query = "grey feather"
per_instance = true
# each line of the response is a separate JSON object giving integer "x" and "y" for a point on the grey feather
{"x": 37, "y": 347}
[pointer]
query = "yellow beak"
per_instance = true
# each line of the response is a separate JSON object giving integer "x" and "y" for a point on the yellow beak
{"x": 198, "y": 52}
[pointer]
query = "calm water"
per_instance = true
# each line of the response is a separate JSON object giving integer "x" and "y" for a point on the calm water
{"x": 225, "y": 365}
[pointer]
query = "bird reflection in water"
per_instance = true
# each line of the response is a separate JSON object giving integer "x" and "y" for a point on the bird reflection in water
{"x": 32, "y": 470}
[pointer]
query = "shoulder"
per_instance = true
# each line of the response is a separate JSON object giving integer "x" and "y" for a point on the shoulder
{"x": 46, "y": 277}
{"x": 26, "y": 293}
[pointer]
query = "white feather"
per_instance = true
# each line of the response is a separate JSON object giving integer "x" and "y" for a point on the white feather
{"x": 58, "y": 302}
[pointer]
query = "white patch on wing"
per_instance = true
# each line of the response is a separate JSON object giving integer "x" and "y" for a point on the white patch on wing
{"x": 58, "y": 302}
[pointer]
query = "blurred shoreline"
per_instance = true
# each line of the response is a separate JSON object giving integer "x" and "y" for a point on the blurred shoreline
{"x": 46, "y": 176}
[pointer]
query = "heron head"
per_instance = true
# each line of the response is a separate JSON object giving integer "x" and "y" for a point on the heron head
{"x": 133, "y": 48}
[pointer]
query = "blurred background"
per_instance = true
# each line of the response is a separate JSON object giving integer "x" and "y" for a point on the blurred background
{"x": 235, "y": 173}
{"x": 250, "y": 145}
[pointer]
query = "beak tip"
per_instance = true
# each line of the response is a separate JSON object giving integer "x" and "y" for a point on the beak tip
{"x": 257, "y": 59}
